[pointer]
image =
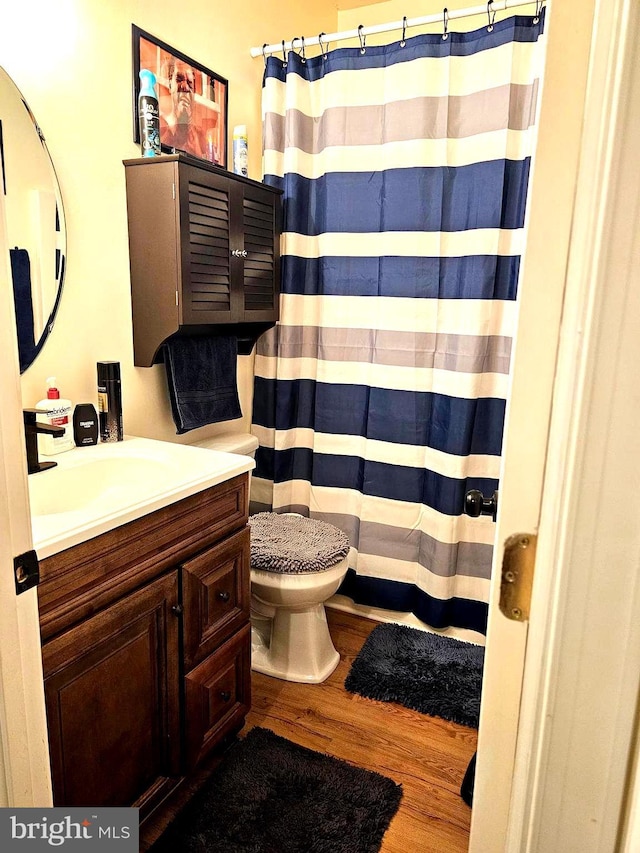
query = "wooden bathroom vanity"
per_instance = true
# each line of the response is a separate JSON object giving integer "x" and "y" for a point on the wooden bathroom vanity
{"x": 146, "y": 649}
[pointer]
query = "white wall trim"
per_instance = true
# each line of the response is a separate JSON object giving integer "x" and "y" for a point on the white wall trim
{"x": 583, "y": 657}
{"x": 525, "y": 447}
{"x": 24, "y": 757}
{"x": 630, "y": 830}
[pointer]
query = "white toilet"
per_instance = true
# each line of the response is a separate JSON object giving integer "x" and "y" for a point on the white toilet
{"x": 289, "y": 633}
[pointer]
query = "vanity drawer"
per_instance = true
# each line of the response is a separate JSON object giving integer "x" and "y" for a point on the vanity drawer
{"x": 217, "y": 696}
{"x": 80, "y": 581}
{"x": 215, "y": 595}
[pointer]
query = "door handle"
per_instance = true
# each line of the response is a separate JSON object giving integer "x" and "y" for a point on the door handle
{"x": 476, "y": 504}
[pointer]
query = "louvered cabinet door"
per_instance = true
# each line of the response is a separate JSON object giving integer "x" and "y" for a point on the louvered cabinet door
{"x": 261, "y": 255}
{"x": 205, "y": 225}
{"x": 230, "y": 249}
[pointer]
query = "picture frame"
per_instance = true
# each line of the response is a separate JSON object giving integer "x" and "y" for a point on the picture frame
{"x": 192, "y": 100}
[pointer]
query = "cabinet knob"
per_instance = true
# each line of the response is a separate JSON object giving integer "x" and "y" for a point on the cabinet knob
{"x": 224, "y": 596}
{"x": 177, "y": 609}
{"x": 225, "y": 695}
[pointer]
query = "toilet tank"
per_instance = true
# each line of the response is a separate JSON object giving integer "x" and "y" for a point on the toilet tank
{"x": 240, "y": 443}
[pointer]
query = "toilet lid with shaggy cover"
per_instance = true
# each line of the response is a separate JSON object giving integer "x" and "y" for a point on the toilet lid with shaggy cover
{"x": 293, "y": 544}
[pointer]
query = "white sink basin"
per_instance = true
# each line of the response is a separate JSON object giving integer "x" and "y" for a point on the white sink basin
{"x": 94, "y": 489}
{"x": 108, "y": 480}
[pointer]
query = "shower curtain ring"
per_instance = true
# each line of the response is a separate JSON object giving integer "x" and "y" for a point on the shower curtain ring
{"x": 284, "y": 55}
{"x": 404, "y": 30}
{"x": 491, "y": 15}
{"x": 539, "y": 4}
{"x": 445, "y": 23}
{"x": 363, "y": 39}
{"x": 322, "y": 50}
{"x": 264, "y": 55}
{"x": 303, "y": 50}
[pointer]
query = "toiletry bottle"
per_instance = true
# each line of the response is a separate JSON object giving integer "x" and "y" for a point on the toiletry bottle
{"x": 211, "y": 149}
{"x": 110, "y": 401}
{"x": 148, "y": 114}
{"x": 56, "y": 411}
{"x": 240, "y": 150}
{"x": 85, "y": 425}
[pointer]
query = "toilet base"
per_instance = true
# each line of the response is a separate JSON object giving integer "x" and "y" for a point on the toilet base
{"x": 298, "y": 646}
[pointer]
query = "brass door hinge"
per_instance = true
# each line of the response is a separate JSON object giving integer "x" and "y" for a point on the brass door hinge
{"x": 517, "y": 575}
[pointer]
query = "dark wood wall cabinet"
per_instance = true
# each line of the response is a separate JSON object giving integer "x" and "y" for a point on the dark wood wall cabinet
{"x": 204, "y": 248}
{"x": 146, "y": 650}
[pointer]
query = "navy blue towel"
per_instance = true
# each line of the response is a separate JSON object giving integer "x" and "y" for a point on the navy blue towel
{"x": 21, "y": 275}
{"x": 201, "y": 374}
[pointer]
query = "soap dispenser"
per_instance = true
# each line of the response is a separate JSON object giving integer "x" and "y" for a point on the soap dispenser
{"x": 56, "y": 411}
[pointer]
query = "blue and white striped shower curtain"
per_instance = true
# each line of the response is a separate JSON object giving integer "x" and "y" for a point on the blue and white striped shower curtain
{"x": 379, "y": 398}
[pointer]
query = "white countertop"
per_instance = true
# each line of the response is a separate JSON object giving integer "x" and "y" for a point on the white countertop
{"x": 94, "y": 489}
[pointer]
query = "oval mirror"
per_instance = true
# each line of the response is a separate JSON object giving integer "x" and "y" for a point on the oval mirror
{"x": 36, "y": 233}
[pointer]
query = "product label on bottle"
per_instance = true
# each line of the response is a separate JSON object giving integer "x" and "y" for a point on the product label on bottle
{"x": 110, "y": 415}
{"x": 149, "y": 126}
{"x": 58, "y": 412}
{"x": 57, "y": 416}
{"x": 240, "y": 157}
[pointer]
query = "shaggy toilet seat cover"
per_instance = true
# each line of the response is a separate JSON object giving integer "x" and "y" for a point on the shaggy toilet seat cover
{"x": 294, "y": 544}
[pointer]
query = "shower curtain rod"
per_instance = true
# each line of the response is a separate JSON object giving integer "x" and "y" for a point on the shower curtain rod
{"x": 489, "y": 9}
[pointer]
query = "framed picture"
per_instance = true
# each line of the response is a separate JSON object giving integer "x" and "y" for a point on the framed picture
{"x": 192, "y": 100}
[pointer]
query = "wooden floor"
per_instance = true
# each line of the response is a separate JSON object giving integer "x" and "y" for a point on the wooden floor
{"x": 427, "y": 755}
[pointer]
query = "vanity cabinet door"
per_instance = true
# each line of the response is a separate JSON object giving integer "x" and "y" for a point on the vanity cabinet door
{"x": 112, "y": 698}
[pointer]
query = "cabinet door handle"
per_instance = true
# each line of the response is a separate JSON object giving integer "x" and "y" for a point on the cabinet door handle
{"x": 239, "y": 253}
{"x": 225, "y": 695}
{"x": 177, "y": 609}
{"x": 224, "y": 596}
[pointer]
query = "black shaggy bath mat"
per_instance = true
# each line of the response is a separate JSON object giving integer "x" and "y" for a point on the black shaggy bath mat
{"x": 426, "y": 672}
{"x": 270, "y": 795}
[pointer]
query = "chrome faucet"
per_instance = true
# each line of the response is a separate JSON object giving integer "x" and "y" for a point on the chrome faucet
{"x": 31, "y": 429}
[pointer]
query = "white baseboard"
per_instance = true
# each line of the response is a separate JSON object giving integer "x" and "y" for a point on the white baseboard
{"x": 341, "y": 602}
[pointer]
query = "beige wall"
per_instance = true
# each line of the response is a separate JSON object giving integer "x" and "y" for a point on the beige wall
{"x": 72, "y": 61}
{"x": 395, "y": 10}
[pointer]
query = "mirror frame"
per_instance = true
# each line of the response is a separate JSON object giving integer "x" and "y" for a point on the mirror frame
{"x": 61, "y": 265}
